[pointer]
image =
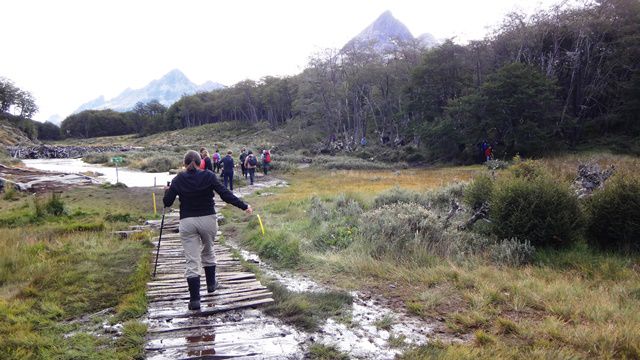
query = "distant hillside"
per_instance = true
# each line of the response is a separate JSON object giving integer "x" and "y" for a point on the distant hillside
{"x": 385, "y": 32}
{"x": 10, "y": 135}
{"x": 167, "y": 90}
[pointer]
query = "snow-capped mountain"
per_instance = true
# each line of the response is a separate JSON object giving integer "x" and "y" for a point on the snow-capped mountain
{"x": 385, "y": 33}
{"x": 166, "y": 90}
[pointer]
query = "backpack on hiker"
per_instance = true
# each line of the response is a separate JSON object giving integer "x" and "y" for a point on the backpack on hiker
{"x": 267, "y": 157}
{"x": 253, "y": 161}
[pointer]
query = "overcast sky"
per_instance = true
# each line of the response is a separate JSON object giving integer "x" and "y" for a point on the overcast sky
{"x": 69, "y": 52}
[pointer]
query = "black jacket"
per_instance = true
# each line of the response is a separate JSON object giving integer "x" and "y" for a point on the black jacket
{"x": 208, "y": 165}
{"x": 227, "y": 164}
{"x": 196, "y": 190}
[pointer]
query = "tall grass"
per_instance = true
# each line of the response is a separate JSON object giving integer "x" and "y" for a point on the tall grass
{"x": 63, "y": 267}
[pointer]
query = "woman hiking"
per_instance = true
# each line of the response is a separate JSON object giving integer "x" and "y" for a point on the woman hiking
{"x": 250, "y": 164}
{"x": 198, "y": 225}
{"x": 205, "y": 164}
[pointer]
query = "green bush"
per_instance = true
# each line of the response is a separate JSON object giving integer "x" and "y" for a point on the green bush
{"x": 336, "y": 238}
{"x": 126, "y": 217}
{"x": 478, "y": 192}
{"x": 534, "y": 208}
{"x": 278, "y": 246}
{"x": 54, "y": 205}
{"x": 613, "y": 216}
{"x": 528, "y": 169}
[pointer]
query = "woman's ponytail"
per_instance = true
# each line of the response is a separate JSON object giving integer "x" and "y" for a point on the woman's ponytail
{"x": 192, "y": 160}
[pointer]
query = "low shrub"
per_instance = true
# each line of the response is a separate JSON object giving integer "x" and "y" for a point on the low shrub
{"x": 97, "y": 158}
{"x": 81, "y": 227}
{"x": 278, "y": 246}
{"x": 54, "y": 205}
{"x": 441, "y": 198}
{"x": 348, "y": 207}
{"x": 400, "y": 229}
{"x": 613, "y": 216}
{"x": 534, "y": 208}
{"x": 10, "y": 192}
{"x": 283, "y": 166}
{"x": 497, "y": 164}
{"x": 159, "y": 164}
{"x": 512, "y": 252}
{"x": 318, "y": 211}
{"x": 528, "y": 169}
{"x": 397, "y": 195}
{"x": 478, "y": 192}
{"x": 350, "y": 163}
{"x": 335, "y": 238}
{"x": 126, "y": 217}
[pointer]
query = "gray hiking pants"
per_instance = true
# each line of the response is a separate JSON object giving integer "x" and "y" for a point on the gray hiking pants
{"x": 197, "y": 235}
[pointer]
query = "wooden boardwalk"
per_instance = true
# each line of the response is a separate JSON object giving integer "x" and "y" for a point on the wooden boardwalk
{"x": 221, "y": 329}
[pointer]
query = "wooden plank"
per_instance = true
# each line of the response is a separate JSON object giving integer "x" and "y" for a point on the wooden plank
{"x": 218, "y": 299}
{"x": 196, "y": 327}
{"x": 213, "y": 310}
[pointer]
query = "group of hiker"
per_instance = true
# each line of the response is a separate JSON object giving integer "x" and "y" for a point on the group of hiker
{"x": 486, "y": 151}
{"x": 225, "y": 165}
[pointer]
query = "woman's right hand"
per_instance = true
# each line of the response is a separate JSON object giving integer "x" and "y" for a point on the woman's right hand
{"x": 249, "y": 210}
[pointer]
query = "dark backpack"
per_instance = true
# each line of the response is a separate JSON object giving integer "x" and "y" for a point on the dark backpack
{"x": 252, "y": 160}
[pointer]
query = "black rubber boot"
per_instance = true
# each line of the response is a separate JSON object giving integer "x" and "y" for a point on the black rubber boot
{"x": 210, "y": 274}
{"x": 194, "y": 292}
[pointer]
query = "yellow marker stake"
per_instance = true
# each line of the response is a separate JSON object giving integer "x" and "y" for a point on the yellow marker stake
{"x": 155, "y": 211}
{"x": 260, "y": 221}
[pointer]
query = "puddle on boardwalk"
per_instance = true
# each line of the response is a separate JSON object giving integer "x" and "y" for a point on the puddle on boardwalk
{"x": 362, "y": 337}
{"x": 244, "y": 333}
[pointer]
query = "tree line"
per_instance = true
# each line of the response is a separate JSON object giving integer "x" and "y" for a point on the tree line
{"x": 17, "y": 106}
{"x": 555, "y": 80}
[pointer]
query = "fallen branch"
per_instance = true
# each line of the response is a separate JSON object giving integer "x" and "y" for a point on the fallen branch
{"x": 481, "y": 213}
{"x": 454, "y": 209}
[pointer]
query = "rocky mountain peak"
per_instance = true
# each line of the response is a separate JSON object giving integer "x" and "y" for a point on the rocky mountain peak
{"x": 385, "y": 33}
{"x": 167, "y": 90}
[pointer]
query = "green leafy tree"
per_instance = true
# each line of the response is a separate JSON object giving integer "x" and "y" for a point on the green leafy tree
{"x": 515, "y": 109}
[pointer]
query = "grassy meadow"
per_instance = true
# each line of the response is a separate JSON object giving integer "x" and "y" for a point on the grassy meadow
{"x": 502, "y": 298}
{"x": 64, "y": 275}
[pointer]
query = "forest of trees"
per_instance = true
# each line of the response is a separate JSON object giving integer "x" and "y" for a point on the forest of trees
{"x": 554, "y": 80}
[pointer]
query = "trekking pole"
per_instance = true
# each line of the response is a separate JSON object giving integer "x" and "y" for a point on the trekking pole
{"x": 159, "y": 238}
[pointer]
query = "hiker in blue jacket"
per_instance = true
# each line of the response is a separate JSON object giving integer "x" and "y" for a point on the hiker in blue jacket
{"x": 227, "y": 170}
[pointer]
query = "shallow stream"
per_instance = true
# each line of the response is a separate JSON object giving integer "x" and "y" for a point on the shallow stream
{"x": 126, "y": 176}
